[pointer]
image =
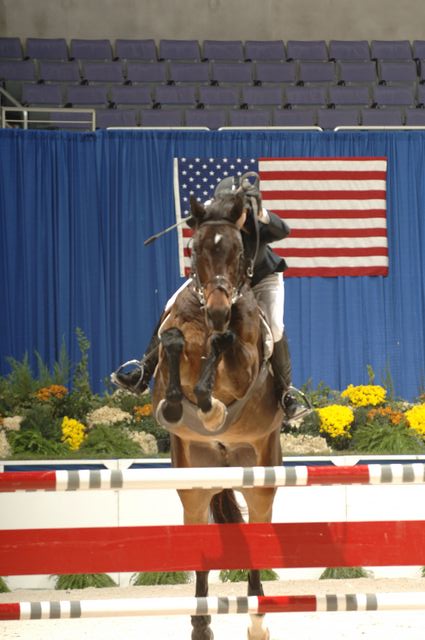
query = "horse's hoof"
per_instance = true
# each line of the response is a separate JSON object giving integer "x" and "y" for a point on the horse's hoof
{"x": 172, "y": 412}
{"x": 214, "y": 419}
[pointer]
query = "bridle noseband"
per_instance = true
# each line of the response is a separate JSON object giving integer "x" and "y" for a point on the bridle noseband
{"x": 219, "y": 281}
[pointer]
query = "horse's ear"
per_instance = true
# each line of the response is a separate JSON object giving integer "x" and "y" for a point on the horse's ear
{"x": 197, "y": 209}
{"x": 237, "y": 208}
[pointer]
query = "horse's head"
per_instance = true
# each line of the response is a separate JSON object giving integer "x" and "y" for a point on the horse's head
{"x": 218, "y": 256}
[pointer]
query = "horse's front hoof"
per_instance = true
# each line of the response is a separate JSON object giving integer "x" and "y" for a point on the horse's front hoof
{"x": 172, "y": 412}
{"x": 213, "y": 419}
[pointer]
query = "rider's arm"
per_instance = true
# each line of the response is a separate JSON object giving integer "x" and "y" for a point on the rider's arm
{"x": 272, "y": 227}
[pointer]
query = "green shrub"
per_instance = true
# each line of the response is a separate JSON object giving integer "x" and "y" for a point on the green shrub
{"x": 148, "y": 579}
{"x": 344, "y": 573}
{"x": 377, "y": 438}
{"x": 83, "y": 581}
{"x": 109, "y": 441}
{"x": 31, "y": 443}
{"x": 3, "y": 586}
{"x": 241, "y": 575}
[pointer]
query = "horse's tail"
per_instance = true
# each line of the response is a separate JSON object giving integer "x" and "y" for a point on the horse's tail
{"x": 225, "y": 508}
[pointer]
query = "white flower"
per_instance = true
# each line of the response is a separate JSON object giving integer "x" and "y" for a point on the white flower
{"x": 146, "y": 441}
{"x": 107, "y": 415}
{"x": 5, "y": 449}
{"x": 12, "y": 423}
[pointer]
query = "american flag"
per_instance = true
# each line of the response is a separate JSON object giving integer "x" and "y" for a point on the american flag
{"x": 335, "y": 207}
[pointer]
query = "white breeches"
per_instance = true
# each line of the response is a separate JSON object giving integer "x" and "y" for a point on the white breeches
{"x": 270, "y": 295}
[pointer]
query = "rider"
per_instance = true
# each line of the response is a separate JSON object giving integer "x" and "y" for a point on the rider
{"x": 260, "y": 227}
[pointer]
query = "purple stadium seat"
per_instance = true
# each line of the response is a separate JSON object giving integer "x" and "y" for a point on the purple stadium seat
{"x": 184, "y": 96}
{"x": 275, "y": 72}
{"x": 211, "y": 118}
{"x": 179, "y": 50}
{"x": 250, "y": 118}
{"x": 59, "y": 71}
{"x": 333, "y": 118}
{"x": 223, "y": 50}
{"x": 232, "y": 72}
{"x": 418, "y": 48}
{"x": 349, "y": 50}
{"x": 310, "y": 72}
{"x": 306, "y": 96}
{"x": 306, "y": 50}
{"x": 78, "y": 95}
{"x": 161, "y": 118}
{"x": 350, "y": 95}
{"x": 130, "y": 95}
{"x": 262, "y": 96}
{"x": 402, "y": 71}
{"x": 264, "y": 50}
{"x": 393, "y": 96}
{"x": 382, "y": 117}
{"x": 194, "y": 72}
{"x": 415, "y": 117}
{"x": 42, "y": 94}
{"x": 103, "y": 71}
{"x": 83, "y": 49}
{"x": 135, "y": 49}
{"x": 390, "y": 50}
{"x": 147, "y": 72}
{"x": 46, "y": 48}
{"x": 11, "y": 49}
{"x": 219, "y": 96}
{"x": 116, "y": 118}
{"x": 357, "y": 72}
{"x": 420, "y": 95}
{"x": 18, "y": 70}
{"x": 294, "y": 117}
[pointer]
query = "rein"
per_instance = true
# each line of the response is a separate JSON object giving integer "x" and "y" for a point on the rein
{"x": 222, "y": 282}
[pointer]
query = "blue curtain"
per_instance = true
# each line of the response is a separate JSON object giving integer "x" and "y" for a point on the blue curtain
{"x": 76, "y": 208}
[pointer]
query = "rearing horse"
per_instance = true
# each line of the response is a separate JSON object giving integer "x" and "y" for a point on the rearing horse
{"x": 213, "y": 388}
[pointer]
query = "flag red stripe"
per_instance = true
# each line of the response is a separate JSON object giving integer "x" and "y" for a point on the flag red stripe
{"x": 327, "y": 159}
{"x": 338, "y": 233}
{"x": 345, "y": 194}
{"x": 332, "y": 272}
{"x": 302, "y": 214}
{"x": 334, "y": 253}
{"x": 321, "y": 175}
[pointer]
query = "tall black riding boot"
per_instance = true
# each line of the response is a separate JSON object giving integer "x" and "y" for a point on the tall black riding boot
{"x": 138, "y": 380}
{"x": 282, "y": 370}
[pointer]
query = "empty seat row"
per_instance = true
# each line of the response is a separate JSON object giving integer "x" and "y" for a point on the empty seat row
{"x": 171, "y": 49}
{"x": 212, "y": 96}
{"x": 326, "y": 119}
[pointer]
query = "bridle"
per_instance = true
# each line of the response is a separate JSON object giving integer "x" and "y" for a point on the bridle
{"x": 219, "y": 281}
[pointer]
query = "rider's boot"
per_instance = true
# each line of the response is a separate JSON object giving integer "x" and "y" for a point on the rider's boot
{"x": 289, "y": 396}
{"x": 137, "y": 381}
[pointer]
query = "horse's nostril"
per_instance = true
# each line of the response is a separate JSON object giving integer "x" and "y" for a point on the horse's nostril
{"x": 218, "y": 317}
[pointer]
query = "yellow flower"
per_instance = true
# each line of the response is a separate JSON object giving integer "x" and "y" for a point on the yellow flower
{"x": 73, "y": 433}
{"x": 365, "y": 395}
{"x": 53, "y": 391}
{"x": 416, "y": 418}
{"x": 336, "y": 420}
{"x": 142, "y": 411}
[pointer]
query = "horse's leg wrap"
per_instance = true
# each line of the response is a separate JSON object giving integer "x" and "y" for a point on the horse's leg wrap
{"x": 257, "y": 630}
{"x": 220, "y": 342}
{"x": 201, "y": 624}
{"x": 173, "y": 343}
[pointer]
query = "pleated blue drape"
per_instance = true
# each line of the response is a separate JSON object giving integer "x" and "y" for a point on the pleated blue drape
{"x": 75, "y": 210}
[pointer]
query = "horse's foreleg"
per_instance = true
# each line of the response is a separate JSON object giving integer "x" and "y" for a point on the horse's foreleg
{"x": 201, "y": 624}
{"x": 203, "y": 389}
{"x": 173, "y": 342}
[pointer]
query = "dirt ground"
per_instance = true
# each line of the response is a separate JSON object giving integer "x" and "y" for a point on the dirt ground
{"x": 408, "y": 625}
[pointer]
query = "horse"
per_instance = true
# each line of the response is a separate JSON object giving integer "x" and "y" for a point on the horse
{"x": 213, "y": 388}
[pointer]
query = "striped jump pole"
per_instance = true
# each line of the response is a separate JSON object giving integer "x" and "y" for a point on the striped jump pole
{"x": 206, "y": 478}
{"x": 66, "y": 609}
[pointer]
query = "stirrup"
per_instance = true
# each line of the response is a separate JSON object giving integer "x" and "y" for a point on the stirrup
{"x": 303, "y": 409}
{"x": 138, "y": 364}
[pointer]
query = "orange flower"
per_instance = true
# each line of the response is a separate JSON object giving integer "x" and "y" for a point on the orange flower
{"x": 53, "y": 391}
{"x": 395, "y": 417}
{"x": 141, "y": 411}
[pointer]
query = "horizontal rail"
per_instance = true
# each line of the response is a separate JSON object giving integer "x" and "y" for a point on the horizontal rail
{"x": 212, "y": 546}
{"x": 205, "y": 478}
{"x": 211, "y": 605}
